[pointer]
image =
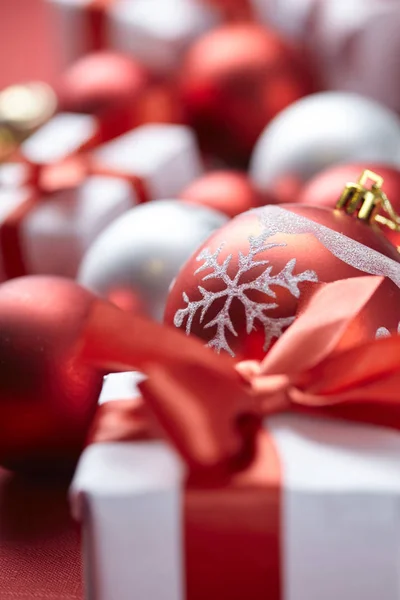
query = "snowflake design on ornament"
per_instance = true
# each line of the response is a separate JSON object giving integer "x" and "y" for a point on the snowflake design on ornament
{"x": 384, "y": 332}
{"x": 254, "y": 311}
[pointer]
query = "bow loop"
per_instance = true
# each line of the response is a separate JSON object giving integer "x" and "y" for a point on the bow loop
{"x": 210, "y": 407}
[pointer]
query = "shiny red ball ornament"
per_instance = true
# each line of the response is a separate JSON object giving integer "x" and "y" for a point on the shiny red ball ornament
{"x": 234, "y": 80}
{"x": 241, "y": 289}
{"x": 230, "y": 192}
{"x": 326, "y": 187}
{"x": 119, "y": 90}
{"x": 47, "y": 395}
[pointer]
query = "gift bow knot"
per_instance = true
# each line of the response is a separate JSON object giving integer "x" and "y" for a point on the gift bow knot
{"x": 211, "y": 407}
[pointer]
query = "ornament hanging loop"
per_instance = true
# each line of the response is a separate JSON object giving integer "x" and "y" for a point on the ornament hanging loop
{"x": 369, "y": 204}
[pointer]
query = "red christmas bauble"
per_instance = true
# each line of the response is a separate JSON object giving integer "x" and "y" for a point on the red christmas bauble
{"x": 47, "y": 395}
{"x": 234, "y": 80}
{"x": 119, "y": 90}
{"x": 100, "y": 79}
{"x": 326, "y": 187}
{"x": 241, "y": 289}
{"x": 230, "y": 192}
{"x": 107, "y": 84}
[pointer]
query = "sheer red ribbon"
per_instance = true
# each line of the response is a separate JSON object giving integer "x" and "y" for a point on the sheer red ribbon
{"x": 96, "y": 24}
{"x": 211, "y": 409}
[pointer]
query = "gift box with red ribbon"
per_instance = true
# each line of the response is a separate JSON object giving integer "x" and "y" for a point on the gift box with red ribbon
{"x": 277, "y": 479}
{"x": 66, "y": 188}
{"x": 48, "y": 233}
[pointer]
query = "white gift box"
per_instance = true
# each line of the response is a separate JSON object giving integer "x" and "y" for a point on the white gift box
{"x": 64, "y": 135}
{"x": 14, "y": 175}
{"x": 340, "y": 512}
{"x": 164, "y": 157}
{"x": 56, "y": 232}
{"x": 158, "y": 32}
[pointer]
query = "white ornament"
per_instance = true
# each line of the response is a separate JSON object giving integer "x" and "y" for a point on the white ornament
{"x": 322, "y": 130}
{"x": 144, "y": 249}
{"x": 273, "y": 327}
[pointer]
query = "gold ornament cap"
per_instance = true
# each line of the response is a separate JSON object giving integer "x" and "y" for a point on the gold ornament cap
{"x": 369, "y": 203}
{"x": 25, "y": 107}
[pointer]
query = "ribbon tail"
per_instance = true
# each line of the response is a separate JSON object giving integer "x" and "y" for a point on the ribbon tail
{"x": 317, "y": 331}
{"x": 206, "y": 414}
{"x": 115, "y": 340}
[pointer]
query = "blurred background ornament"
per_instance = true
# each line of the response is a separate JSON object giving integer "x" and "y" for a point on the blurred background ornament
{"x": 134, "y": 261}
{"x": 320, "y": 131}
{"x": 230, "y": 192}
{"x": 234, "y": 80}
{"x": 25, "y": 107}
{"x": 240, "y": 290}
{"x": 107, "y": 84}
{"x": 47, "y": 396}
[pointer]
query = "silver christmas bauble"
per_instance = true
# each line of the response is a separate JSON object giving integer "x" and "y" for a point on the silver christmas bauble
{"x": 319, "y": 131}
{"x": 134, "y": 261}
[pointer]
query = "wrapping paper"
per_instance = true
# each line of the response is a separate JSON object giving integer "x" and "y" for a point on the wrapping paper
{"x": 255, "y": 496}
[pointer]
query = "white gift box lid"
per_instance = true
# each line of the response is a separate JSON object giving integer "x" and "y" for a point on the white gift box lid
{"x": 60, "y": 137}
{"x": 165, "y": 157}
{"x": 340, "y": 530}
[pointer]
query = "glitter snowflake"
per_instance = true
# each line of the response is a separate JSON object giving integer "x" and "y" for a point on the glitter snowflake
{"x": 254, "y": 311}
{"x": 384, "y": 332}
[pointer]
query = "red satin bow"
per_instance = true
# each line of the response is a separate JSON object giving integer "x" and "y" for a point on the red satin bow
{"x": 210, "y": 407}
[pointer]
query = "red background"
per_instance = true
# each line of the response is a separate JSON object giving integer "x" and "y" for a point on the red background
{"x": 28, "y": 48}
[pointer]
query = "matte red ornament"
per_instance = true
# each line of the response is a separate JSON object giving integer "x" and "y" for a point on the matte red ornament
{"x": 234, "y": 80}
{"x": 230, "y": 192}
{"x": 326, "y": 187}
{"x": 241, "y": 289}
{"x": 119, "y": 90}
{"x": 47, "y": 395}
